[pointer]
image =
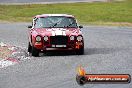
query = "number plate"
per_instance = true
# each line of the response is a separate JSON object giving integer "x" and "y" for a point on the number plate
{"x": 58, "y": 45}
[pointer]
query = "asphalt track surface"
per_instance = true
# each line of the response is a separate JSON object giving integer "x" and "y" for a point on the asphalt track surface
{"x": 107, "y": 50}
{"x": 45, "y": 1}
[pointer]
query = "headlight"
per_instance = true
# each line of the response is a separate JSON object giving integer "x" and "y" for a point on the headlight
{"x": 72, "y": 37}
{"x": 79, "y": 38}
{"x": 46, "y": 38}
{"x": 38, "y": 38}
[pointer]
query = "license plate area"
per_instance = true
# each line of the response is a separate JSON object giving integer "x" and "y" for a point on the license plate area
{"x": 58, "y": 46}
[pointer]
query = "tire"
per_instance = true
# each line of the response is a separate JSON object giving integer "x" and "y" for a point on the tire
{"x": 29, "y": 48}
{"x": 35, "y": 52}
{"x": 80, "y": 51}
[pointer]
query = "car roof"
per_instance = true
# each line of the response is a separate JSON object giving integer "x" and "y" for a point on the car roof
{"x": 45, "y": 15}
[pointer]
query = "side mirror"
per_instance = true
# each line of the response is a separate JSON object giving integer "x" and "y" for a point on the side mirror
{"x": 80, "y": 26}
{"x": 29, "y": 26}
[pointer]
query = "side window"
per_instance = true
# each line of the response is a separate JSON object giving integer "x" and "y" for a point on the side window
{"x": 38, "y": 23}
{"x": 33, "y": 22}
{"x": 72, "y": 22}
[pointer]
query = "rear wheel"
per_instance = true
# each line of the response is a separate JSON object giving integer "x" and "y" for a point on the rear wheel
{"x": 80, "y": 51}
{"x": 35, "y": 52}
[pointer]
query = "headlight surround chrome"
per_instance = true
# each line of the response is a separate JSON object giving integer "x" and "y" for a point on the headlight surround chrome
{"x": 79, "y": 38}
{"x": 46, "y": 38}
{"x": 72, "y": 38}
{"x": 38, "y": 38}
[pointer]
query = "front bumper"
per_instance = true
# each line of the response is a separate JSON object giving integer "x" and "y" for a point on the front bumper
{"x": 58, "y": 49}
{"x": 73, "y": 46}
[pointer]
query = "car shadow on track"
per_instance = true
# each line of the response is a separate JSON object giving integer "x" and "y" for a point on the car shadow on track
{"x": 58, "y": 53}
{"x": 91, "y": 51}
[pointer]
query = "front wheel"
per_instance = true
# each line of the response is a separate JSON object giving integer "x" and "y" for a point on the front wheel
{"x": 35, "y": 52}
{"x": 29, "y": 47}
{"x": 80, "y": 51}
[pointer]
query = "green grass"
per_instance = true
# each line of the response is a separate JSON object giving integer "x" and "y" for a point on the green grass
{"x": 86, "y": 13}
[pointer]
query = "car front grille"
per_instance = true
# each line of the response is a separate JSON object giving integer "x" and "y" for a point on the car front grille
{"x": 58, "y": 40}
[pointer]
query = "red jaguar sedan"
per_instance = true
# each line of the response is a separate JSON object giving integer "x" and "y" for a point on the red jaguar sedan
{"x": 56, "y": 32}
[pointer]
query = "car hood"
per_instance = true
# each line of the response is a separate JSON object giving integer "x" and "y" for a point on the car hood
{"x": 58, "y": 31}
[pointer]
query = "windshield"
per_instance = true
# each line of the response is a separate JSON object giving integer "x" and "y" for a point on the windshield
{"x": 56, "y": 22}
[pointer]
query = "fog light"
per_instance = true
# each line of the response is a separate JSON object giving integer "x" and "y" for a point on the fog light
{"x": 71, "y": 37}
{"x": 46, "y": 38}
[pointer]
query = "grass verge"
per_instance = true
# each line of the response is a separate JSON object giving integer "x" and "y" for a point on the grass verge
{"x": 100, "y": 13}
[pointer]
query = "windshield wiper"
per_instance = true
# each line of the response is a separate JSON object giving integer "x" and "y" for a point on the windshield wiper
{"x": 55, "y": 24}
{"x": 69, "y": 24}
